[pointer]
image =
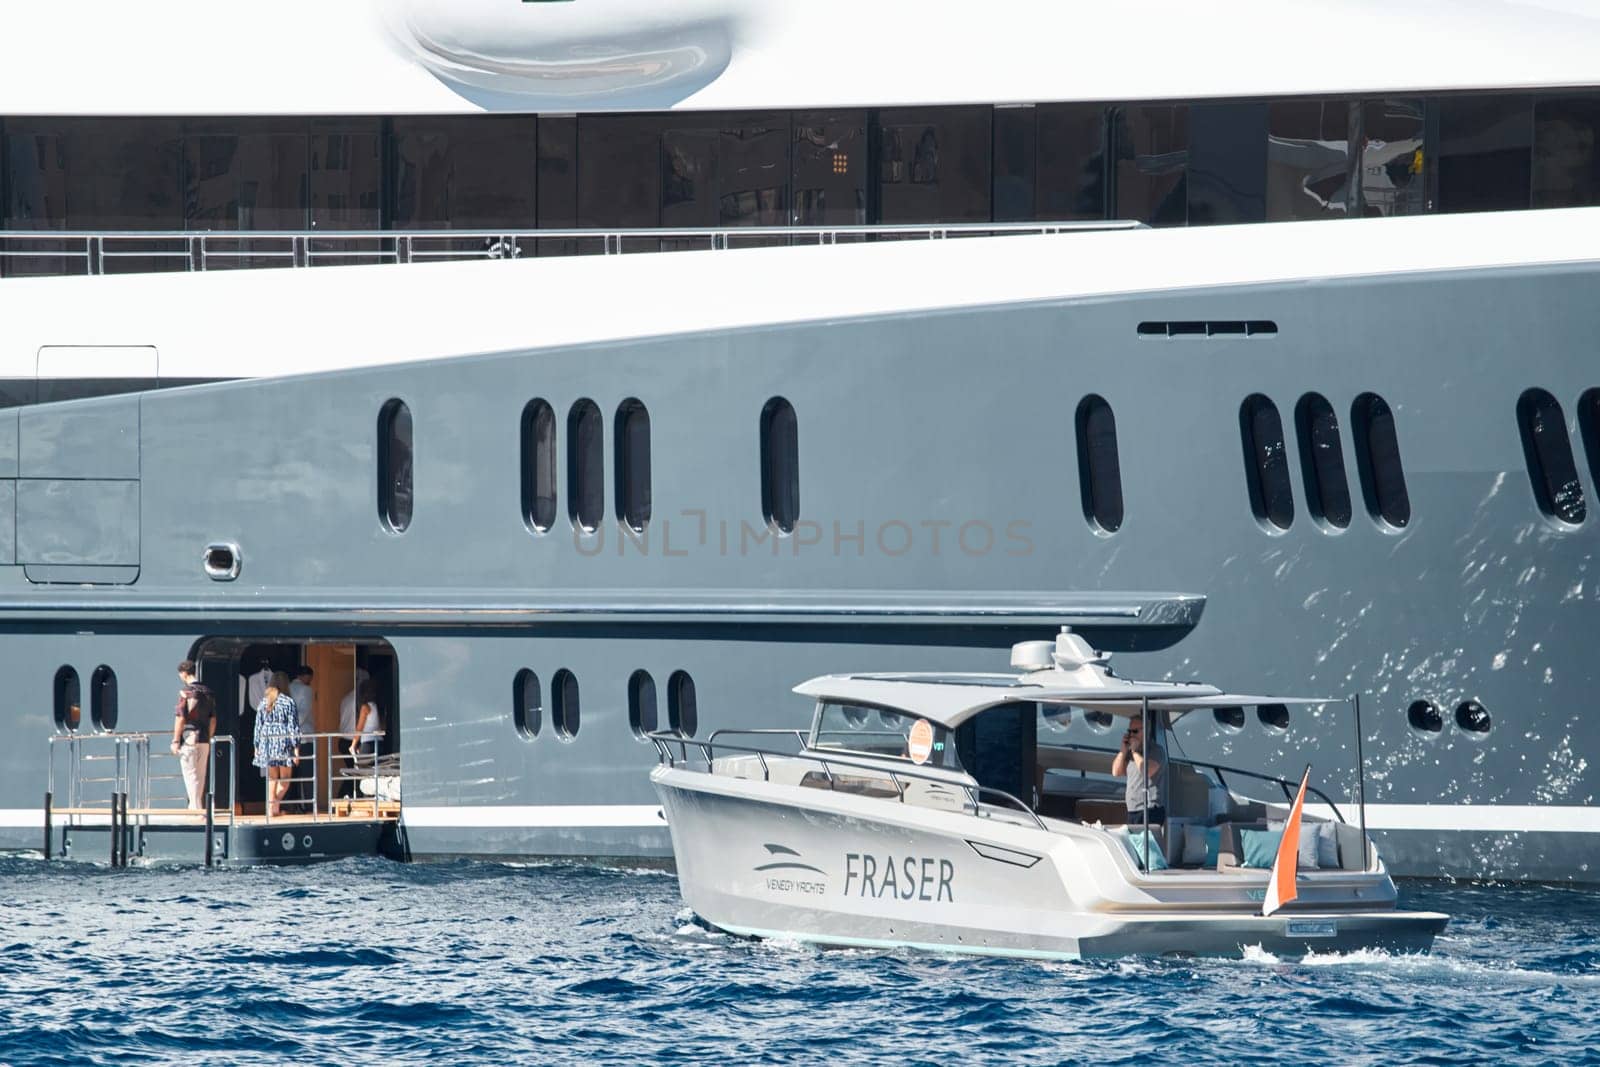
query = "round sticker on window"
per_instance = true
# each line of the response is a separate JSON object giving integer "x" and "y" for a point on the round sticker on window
{"x": 919, "y": 745}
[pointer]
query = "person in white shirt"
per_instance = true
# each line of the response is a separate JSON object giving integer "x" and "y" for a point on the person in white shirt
{"x": 347, "y": 727}
{"x": 304, "y": 705}
{"x": 255, "y": 686}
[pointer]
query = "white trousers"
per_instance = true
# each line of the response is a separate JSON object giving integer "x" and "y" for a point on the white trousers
{"x": 192, "y": 758}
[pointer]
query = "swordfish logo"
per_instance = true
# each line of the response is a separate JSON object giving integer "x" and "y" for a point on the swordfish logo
{"x": 782, "y": 858}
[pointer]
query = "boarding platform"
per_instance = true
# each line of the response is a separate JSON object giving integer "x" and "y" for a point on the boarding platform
{"x": 119, "y": 799}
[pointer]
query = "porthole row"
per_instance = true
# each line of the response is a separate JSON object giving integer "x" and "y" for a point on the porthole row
{"x": 67, "y": 699}
{"x": 1427, "y": 718}
{"x": 527, "y": 705}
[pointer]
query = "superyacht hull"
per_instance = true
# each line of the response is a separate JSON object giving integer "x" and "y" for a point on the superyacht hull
{"x": 948, "y": 505}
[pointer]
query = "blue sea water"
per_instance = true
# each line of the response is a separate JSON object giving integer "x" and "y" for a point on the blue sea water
{"x": 373, "y": 962}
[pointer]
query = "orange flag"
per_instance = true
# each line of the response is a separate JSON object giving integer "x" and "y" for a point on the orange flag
{"x": 1281, "y": 887}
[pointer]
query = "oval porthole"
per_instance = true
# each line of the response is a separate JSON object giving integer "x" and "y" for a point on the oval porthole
{"x": 395, "y": 494}
{"x": 586, "y": 466}
{"x": 1275, "y": 716}
{"x": 1322, "y": 461}
{"x": 526, "y": 709}
{"x": 1425, "y": 717}
{"x": 538, "y": 466}
{"x": 1266, "y": 461}
{"x": 1232, "y": 718}
{"x": 1099, "y": 469}
{"x": 103, "y": 698}
{"x": 641, "y": 704}
{"x": 1099, "y": 720}
{"x": 1383, "y": 477}
{"x": 683, "y": 710}
{"x": 1547, "y": 449}
{"x": 780, "y": 465}
{"x": 564, "y": 704}
{"x": 68, "y": 700}
{"x": 632, "y": 430}
{"x": 1473, "y": 717}
{"x": 1057, "y": 717}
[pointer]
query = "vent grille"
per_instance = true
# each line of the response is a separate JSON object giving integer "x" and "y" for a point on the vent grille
{"x": 1210, "y": 328}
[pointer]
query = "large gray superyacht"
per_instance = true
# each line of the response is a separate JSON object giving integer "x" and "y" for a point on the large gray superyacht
{"x": 545, "y": 384}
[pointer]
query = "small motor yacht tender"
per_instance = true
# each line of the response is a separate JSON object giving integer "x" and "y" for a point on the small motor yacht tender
{"x": 898, "y": 820}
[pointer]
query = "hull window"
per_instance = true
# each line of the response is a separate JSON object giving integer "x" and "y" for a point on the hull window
{"x": 538, "y": 466}
{"x": 780, "y": 465}
{"x": 1233, "y": 718}
{"x": 1424, "y": 717}
{"x": 633, "y": 464}
{"x": 1273, "y": 715}
{"x": 1472, "y": 717}
{"x": 1383, "y": 479}
{"x": 1099, "y": 472}
{"x": 642, "y": 716}
{"x": 68, "y": 703}
{"x": 526, "y": 712}
{"x": 564, "y": 704}
{"x": 683, "y": 714}
{"x": 586, "y": 500}
{"x": 394, "y": 465}
{"x": 1548, "y": 451}
{"x": 1589, "y": 430}
{"x": 1266, "y": 462}
{"x": 1322, "y": 461}
{"x": 103, "y": 698}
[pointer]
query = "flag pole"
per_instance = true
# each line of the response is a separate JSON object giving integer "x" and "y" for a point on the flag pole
{"x": 1144, "y": 772}
{"x": 1361, "y": 783}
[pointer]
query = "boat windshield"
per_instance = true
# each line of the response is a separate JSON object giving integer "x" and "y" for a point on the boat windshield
{"x": 881, "y": 732}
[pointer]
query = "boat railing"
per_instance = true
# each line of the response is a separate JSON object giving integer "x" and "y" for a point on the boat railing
{"x": 126, "y": 251}
{"x": 1221, "y": 771}
{"x": 666, "y": 740}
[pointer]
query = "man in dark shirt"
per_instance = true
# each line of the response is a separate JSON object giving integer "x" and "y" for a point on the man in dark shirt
{"x": 194, "y": 721}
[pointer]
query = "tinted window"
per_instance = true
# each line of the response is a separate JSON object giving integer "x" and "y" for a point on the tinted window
{"x": 394, "y": 465}
{"x": 1273, "y": 715}
{"x": 1566, "y": 152}
{"x": 880, "y": 732}
{"x": 1589, "y": 430}
{"x": 1383, "y": 479}
{"x": 538, "y": 465}
{"x": 1015, "y": 162}
{"x": 633, "y": 464}
{"x": 1309, "y": 168}
{"x": 68, "y": 702}
{"x": 103, "y": 698}
{"x": 557, "y": 184}
{"x": 1548, "y": 452}
{"x": 1322, "y": 460}
{"x": 1099, "y": 475}
{"x": 731, "y": 171}
{"x": 1485, "y": 155}
{"x": 526, "y": 710}
{"x": 619, "y": 164}
{"x": 1233, "y": 718}
{"x": 586, "y": 501}
{"x": 1392, "y": 166}
{"x": 246, "y": 174}
{"x": 641, "y": 703}
{"x": 934, "y": 164}
{"x": 1266, "y": 462}
{"x": 564, "y": 704}
{"x": 1227, "y": 163}
{"x": 1071, "y": 181}
{"x": 1150, "y": 152}
{"x": 683, "y": 713}
{"x": 346, "y": 174}
{"x": 1473, "y": 717}
{"x": 1424, "y": 717}
{"x": 464, "y": 172}
{"x": 780, "y": 464}
{"x": 829, "y": 161}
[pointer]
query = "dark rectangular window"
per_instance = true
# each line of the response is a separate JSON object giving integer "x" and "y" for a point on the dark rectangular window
{"x": 1393, "y": 167}
{"x": 1227, "y": 163}
{"x": 465, "y": 173}
{"x": 1566, "y": 152}
{"x": 346, "y": 168}
{"x": 1016, "y": 150}
{"x": 557, "y": 184}
{"x": 1310, "y": 171}
{"x": 1071, "y": 182}
{"x": 619, "y": 171}
{"x": 246, "y": 174}
{"x": 735, "y": 173}
{"x": 1150, "y": 151}
{"x": 1485, "y": 154}
{"x": 632, "y": 429}
{"x": 934, "y": 164}
{"x": 828, "y": 168}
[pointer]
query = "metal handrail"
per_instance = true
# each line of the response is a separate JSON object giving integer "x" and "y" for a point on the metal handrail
{"x": 665, "y": 739}
{"x": 200, "y": 249}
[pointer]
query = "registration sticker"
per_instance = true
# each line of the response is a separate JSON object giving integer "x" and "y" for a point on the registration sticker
{"x": 1312, "y": 928}
{"x": 919, "y": 745}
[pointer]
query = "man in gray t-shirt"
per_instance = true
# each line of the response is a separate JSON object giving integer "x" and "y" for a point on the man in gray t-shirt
{"x": 1141, "y": 762}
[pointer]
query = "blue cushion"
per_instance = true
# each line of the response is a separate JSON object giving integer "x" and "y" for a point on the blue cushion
{"x": 1213, "y": 844}
{"x": 1158, "y": 855}
{"x": 1260, "y": 847}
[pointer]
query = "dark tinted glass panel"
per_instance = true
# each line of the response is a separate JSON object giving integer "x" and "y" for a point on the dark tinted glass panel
{"x": 1566, "y": 152}
{"x": 1393, "y": 175}
{"x": 1383, "y": 479}
{"x": 564, "y": 710}
{"x": 103, "y": 698}
{"x": 780, "y": 464}
{"x": 633, "y": 464}
{"x": 68, "y": 701}
{"x": 1485, "y": 155}
{"x": 36, "y": 176}
{"x": 1273, "y": 715}
{"x": 683, "y": 712}
{"x": 1322, "y": 461}
{"x": 1589, "y": 430}
{"x": 1015, "y": 163}
{"x": 467, "y": 172}
{"x": 1266, "y": 462}
{"x": 526, "y": 710}
{"x": 1230, "y": 717}
{"x": 619, "y": 171}
{"x": 246, "y": 174}
{"x": 1310, "y": 172}
{"x": 1071, "y": 181}
{"x": 1150, "y": 150}
{"x": 1099, "y": 473}
{"x": 934, "y": 164}
{"x": 394, "y": 465}
{"x": 346, "y": 164}
{"x": 1548, "y": 451}
{"x": 586, "y": 470}
{"x": 558, "y": 182}
{"x": 1227, "y": 163}
{"x": 829, "y": 162}
{"x": 641, "y": 703}
{"x": 539, "y": 465}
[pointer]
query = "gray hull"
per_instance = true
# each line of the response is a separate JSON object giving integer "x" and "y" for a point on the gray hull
{"x": 942, "y": 520}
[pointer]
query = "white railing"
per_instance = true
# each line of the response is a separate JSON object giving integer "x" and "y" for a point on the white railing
{"x": 131, "y": 251}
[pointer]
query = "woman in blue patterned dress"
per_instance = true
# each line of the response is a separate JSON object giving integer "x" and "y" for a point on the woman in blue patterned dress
{"x": 277, "y": 740}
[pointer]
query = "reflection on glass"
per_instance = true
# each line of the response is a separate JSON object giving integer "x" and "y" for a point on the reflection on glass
{"x": 1566, "y": 152}
{"x": 1390, "y": 133}
{"x": 1485, "y": 153}
{"x": 1308, "y": 160}
{"x": 829, "y": 166}
{"x": 1150, "y": 147}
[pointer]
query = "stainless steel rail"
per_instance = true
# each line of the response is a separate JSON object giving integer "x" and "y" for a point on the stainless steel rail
{"x": 664, "y": 741}
{"x": 98, "y": 252}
